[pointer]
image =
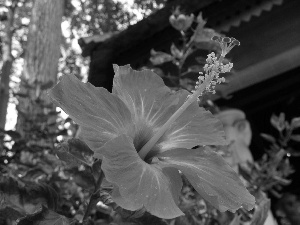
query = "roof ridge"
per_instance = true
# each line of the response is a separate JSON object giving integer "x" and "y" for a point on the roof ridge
{"x": 246, "y": 16}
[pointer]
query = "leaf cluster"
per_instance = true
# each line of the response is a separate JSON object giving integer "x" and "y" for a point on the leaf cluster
{"x": 47, "y": 182}
{"x": 267, "y": 175}
{"x": 181, "y": 65}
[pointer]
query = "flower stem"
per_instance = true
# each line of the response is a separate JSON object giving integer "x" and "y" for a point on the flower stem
{"x": 192, "y": 98}
{"x": 93, "y": 199}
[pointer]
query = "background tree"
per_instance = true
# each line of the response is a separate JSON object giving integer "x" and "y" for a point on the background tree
{"x": 8, "y": 19}
{"x": 14, "y": 16}
{"x": 80, "y": 19}
{"x": 41, "y": 56}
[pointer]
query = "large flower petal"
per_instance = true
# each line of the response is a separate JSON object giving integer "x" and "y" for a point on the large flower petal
{"x": 140, "y": 184}
{"x": 152, "y": 104}
{"x": 94, "y": 108}
{"x": 146, "y": 95}
{"x": 195, "y": 126}
{"x": 211, "y": 176}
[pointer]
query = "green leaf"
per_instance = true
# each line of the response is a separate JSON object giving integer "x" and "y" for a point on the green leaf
{"x": 245, "y": 173}
{"x": 158, "y": 57}
{"x": 176, "y": 52}
{"x": 25, "y": 199}
{"x": 106, "y": 198}
{"x": 96, "y": 168}
{"x": 75, "y": 152}
{"x": 295, "y": 137}
{"x": 138, "y": 184}
{"x": 211, "y": 177}
{"x": 236, "y": 220}
{"x": 268, "y": 137}
{"x": 195, "y": 68}
{"x": 278, "y": 122}
{"x": 45, "y": 217}
{"x": 201, "y": 60}
{"x": 261, "y": 211}
{"x": 10, "y": 213}
{"x": 12, "y": 196}
{"x": 83, "y": 178}
{"x": 295, "y": 122}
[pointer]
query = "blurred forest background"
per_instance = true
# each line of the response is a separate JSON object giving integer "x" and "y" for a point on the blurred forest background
{"x": 39, "y": 43}
{"x": 40, "y": 23}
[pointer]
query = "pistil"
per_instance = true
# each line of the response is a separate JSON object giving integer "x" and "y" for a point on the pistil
{"x": 192, "y": 98}
{"x": 205, "y": 83}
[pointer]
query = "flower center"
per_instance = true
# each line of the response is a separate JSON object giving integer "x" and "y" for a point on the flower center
{"x": 143, "y": 133}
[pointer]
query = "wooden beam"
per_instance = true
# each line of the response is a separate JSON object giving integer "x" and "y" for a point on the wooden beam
{"x": 267, "y": 48}
{"x": 262, "y": 70}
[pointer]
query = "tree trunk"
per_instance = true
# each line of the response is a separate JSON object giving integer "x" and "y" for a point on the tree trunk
{"x": 41, "y": 58}
{"x": 5, "y": 72}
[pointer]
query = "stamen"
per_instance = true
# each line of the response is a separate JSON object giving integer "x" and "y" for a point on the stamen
{"x": 206, "y": 82}
{"x": 226, "y": 40}
{"x": 226, "y": 44}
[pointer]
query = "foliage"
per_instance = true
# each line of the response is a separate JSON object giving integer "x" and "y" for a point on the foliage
{"x": 288, "y": 208}
{"x": 32, "y": 163}
{"x": 141, "y": 132}
{"x": 267, "y": 175}
{"x": 148, "y": 6}
{"x": 188, "y": 54}
{"x": 81, "y": 19}
{"x": 128, "y": 164}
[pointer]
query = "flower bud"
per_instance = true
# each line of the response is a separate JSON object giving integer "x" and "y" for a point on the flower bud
{"x": 180, "y": 21}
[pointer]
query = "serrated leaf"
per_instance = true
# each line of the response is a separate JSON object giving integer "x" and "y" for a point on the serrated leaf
{"x": 75, "y": 152}
{"x": 45, "y": 217}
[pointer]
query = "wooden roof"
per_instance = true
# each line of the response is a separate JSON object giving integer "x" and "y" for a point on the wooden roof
{"x": 267, "y": 64}
{"x": 263, "y": 42}
{"x": 269, "y": 32}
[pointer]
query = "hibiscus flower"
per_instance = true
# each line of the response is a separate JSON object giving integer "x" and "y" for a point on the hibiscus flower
{"x": 117, "y": 126}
